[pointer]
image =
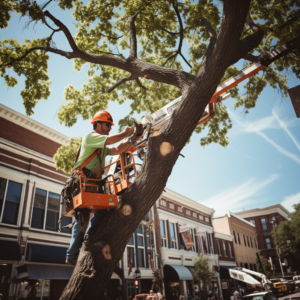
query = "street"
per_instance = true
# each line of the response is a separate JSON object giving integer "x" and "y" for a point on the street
{"x": 295, "y": 294}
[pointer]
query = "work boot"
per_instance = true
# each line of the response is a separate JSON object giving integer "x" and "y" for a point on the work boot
{"x": 71, "y": 261}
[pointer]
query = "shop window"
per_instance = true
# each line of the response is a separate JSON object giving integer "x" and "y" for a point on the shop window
{"x": 130, "y": 252}
{"x": 251, "y": 242}
{"x": 248, "y": 242}
{"x": 234, "y": 237}
{"x": 10, "y": 198}
{"x": 163, "y": 234}
{"x": 238, "y": 236}
{"x": 173, "y": 236}
{"x": 230, "y": 250}
{"x": 42, "y": 288}
{"x": 268, "y": 242}
{"x": 219, "y": 248}
{"x": 264, "y": 224}
{"x": 225, "y": 250}
{"x": 47, "y": 211}
{"x": 244, "y": 240}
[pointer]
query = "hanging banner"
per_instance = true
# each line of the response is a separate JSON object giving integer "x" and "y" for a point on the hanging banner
{"x": 199, "y": 235}
{"x": 186, "y": 236}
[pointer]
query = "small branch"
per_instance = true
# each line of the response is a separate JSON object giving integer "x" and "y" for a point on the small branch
{"x": 130, "y": 77}
{"x": 137, "y": 80}
{"x": 292, "y": 20}
{"x": 64, "y": 29}
{"x": 46, "y": 4}
{"x": 185, "y": 60}
{"x": 252, "y": 24}
{"x": 181, "y": 28}
{"x": 208, "y": 27}
{"x": 133, "y": 42}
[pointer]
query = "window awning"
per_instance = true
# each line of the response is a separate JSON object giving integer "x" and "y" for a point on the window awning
{"x": 9, "y": 250}
{"x": 46, "y": 254}
{"x": 183, "y": 272}
{"x": 44, "y": 272}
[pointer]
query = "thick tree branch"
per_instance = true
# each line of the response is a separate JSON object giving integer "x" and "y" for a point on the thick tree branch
{"x": 251, "y": 57}
{"x": 208, "y": 27}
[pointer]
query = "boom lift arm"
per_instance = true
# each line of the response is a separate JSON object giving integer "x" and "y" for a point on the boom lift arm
{"x": 242, "y": 274}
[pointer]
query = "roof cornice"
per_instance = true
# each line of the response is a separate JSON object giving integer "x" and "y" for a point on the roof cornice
{"x": 277, "y": 208}
{"x": 223, "y": 236}
{"x": 186, "y": 202}
{"x": 34, "y": 126}
{"x": 229, "y": 214}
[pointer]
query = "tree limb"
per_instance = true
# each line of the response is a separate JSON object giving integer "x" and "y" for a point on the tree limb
{"x": 290, "y": 21}
{"x": 137, "y": 80}
{"x": 208, "y": 27}
{"x": 251, "y": 57}
{"x": 64, "y": 29}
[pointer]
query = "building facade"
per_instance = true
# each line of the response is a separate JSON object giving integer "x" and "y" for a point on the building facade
{"x": 265, "y": 220}
{"x": 244, "y": 238}
{"x": 225, "y": 249}
{"x": 179, "y": 221}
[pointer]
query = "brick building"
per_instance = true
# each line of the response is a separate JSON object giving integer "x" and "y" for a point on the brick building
{"x": 244, "y": 236}
{"x": 175, "y": 215}
{"x": 265, "y": 219}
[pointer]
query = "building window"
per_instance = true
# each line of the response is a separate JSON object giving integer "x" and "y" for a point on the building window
{"x": 246, "y": 266}
{"x": 238, "y": 236}
{"x": 252, "y": 222}
{"x": 230, "y": 250}
{"x": 250, "y": 266}
{"x": 10, "y": 198}
{"x": 163, "y": 233}
{"x": 225, "y": 250}
{"x": 200, "y": 217}
{"x": 130, "y": 252}
{"x": 173, "y": 235}
{"x": 234, "y": 237}
{"x": 194, "y": 215}
{"x": 219, "y": 248}
{"x": 264, "y": 224}
{"x": 207, "y": 219}
{"x": 47, "y": 211}
{"x": 268, "y": 242}
{"x": 140, "y": 246}
{"x": 248, "y": 242}
{"x": 171, "y": 205}
{"x": 245, "y": 240}
{"x": 163, "y": 203}
{"x": 148, "y": 216}
{"x": 254, "y": 267}
{"x": 179, "y": 209}
{"x": 251, "y": 241}
{"x": 188, "y": 212}
{"x": 241, "y": 264}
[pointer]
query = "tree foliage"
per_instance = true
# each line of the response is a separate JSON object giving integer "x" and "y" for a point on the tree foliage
{"x": 170, "y": 34}
{"x": 289, "y": 231}
{"x": 203, "y": 272}
{"x": 263, "y": 266}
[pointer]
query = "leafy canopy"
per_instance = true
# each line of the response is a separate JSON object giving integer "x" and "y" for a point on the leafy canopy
{"x": 263, "y": 266}
{"x": 289, "y": 231}
{"x": 103, "y": 28}
{"x": 203, "y": 271}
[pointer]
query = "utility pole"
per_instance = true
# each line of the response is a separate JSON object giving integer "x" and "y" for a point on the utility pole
{"x": 279, "y": 252}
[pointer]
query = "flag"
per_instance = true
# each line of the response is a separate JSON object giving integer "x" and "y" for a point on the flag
{"x": 186, "y": 236}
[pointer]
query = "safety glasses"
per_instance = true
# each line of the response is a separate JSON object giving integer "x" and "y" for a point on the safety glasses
{"x": 107, "y": 124}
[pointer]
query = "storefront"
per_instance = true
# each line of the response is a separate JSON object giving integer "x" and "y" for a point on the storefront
{"x": 178, "y": 279}
{"x": 228, "y": 284}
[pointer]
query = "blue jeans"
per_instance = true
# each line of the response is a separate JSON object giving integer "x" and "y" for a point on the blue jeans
{"x": 78, "y": 236}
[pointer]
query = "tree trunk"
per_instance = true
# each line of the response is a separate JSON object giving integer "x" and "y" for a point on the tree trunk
{"x": 96, "y": 264}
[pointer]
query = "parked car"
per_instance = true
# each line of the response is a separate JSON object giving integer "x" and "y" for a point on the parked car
{"x": 278, "y": 287}
{"x": 260, "y": 296}
{"x": 290, "y": 284}
{"x": 293, "y": 298}
{"x": 297, "y": 280}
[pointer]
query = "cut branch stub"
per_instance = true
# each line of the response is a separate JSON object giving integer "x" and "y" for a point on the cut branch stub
{"x": 106, "y": 252}
{"x": 127, "y": 210}
{"x": 156, "y": 133}
{"x": 166, "y": 148}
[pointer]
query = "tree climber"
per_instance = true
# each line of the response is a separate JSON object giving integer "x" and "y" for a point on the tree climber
{"x": 98, "y": 139}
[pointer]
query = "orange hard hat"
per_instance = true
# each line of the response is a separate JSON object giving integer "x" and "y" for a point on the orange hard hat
{"x": 103, "y": 116}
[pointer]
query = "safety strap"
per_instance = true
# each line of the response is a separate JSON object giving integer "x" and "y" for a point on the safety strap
{"x": 98, "y": 152}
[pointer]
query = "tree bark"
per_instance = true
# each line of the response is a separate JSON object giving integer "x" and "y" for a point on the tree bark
{"x": 96, "y": 264}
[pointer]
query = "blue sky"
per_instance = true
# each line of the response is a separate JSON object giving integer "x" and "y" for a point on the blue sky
{"x": 260, "y": 167}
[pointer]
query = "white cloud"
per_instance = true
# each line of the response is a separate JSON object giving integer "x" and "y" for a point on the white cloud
{"x": 268, "y": 123}
{"x": 239, "y": 197}
{"x": 289, "y": 201}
